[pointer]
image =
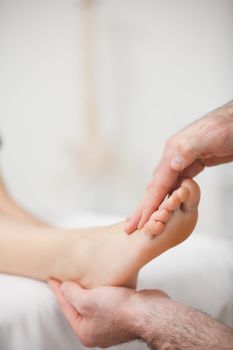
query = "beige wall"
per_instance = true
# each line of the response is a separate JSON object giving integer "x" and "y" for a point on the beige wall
{"x": 157, "y": 65}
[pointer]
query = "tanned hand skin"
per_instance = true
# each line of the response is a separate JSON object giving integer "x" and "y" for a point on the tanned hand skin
{"x": 205, "y": 143}
{"x": 107, "y": 316}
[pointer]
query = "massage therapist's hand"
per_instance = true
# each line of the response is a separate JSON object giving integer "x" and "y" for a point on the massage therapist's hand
{"x": 106, "y": 316}
{"x": 206, "y": 142}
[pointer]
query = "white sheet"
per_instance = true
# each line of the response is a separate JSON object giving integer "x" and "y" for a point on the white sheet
{"x": 199, "y": 273}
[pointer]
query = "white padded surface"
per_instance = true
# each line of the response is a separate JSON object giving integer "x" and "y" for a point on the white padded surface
{"x": 199, "y": 273}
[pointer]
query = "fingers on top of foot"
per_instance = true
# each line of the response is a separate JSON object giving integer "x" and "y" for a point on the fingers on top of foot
{"x": 194, "y": 194}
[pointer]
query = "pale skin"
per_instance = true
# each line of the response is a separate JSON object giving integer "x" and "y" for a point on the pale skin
{"x": 205, "y": 143}
{"x": 42, "y": 252}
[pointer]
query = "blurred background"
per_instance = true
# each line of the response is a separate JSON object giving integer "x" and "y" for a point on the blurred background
{"x": 91, "y": 89}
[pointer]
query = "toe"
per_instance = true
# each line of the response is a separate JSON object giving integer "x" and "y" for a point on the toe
{"x": 194, "y": 195}
{"x": 154, "y": 228}
{"x": 172, "y": 203}
{"x": 183, "y": 194}
{"x": 162, "y": 215}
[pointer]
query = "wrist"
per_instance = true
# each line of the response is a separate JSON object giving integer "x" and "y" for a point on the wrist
{"x": 166, "y": 324}
{"x": 152, "y": 310}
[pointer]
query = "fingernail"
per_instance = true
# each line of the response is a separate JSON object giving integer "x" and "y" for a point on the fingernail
{"x": 177, "y": 163}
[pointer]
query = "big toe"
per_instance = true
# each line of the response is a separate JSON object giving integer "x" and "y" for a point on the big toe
{"x": 194, "y": 195}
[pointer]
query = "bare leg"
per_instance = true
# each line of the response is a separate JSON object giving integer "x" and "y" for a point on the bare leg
{"x": 96, "y": 256}
{"x": 11, "y": 209}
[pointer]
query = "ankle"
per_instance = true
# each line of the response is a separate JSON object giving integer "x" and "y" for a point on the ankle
{"x": 58, "y": 249}
{"x": 69, "y": 254}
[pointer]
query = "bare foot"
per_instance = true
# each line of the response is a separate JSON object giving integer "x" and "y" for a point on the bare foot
{"x": 108, "y": 256}
{"x": 159, "y": 218}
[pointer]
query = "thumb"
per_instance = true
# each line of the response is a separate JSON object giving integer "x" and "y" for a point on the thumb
{"x": 186, "y": 152}
{"x": 69, "y": 311}
{"x": 73, "y": 293}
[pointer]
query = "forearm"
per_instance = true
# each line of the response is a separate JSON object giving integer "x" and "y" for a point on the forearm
{"x": 222, "y": 127}
{"x": 29, "y": 250}
{"x": 174, "y": 326}
{"x": 225, "y": 110}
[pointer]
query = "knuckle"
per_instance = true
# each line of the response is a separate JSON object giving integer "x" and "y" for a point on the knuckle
{"x": 182, "y": 142}
{"x": 184, "y": 146}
